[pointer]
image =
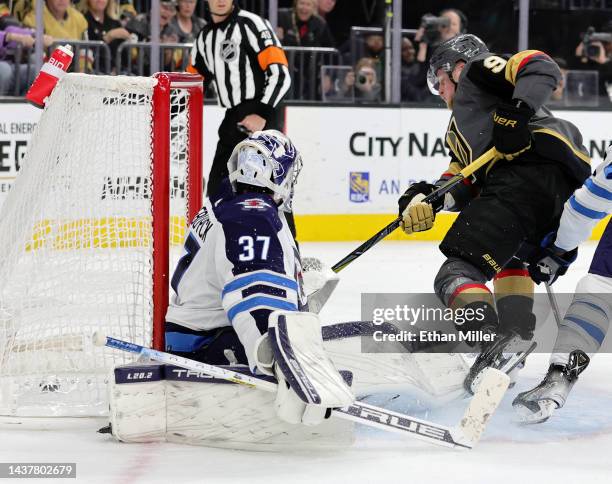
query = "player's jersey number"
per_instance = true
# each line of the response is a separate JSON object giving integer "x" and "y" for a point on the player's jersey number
{"x": 495, "y": 63}
{"x": 250, "y": 246}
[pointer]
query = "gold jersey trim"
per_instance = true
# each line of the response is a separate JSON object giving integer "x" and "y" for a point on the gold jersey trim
{"x": 578, "y": 153}
{"x": 515, "y": 62}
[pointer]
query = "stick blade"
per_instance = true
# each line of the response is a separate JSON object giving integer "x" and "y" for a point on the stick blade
{"x": 490, "y": 392}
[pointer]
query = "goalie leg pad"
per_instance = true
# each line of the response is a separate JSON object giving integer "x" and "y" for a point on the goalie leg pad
{"x": 137, "y": 398}
{"x": 159, "y": 402}
{"x": 299, "y": 353}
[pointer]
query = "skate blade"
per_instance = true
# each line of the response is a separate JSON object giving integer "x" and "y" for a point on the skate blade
{"x": 525, "y": 416}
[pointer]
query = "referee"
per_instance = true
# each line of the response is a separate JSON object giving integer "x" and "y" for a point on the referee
{"x": 240, "y": 53}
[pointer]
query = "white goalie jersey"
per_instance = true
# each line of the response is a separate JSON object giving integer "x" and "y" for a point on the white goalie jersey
{"x": 239, "y": 264}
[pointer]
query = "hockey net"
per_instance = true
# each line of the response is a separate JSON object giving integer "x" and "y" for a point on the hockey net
{"x": 101, "y": 202}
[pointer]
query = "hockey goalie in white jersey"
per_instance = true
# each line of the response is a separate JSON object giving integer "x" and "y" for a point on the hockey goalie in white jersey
{"x": 587, "y": 320}
{"x": 240, "y": 265}
{"x": 239, "y": 300}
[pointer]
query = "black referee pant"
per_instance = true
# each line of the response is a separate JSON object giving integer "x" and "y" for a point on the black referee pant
{"x": 229, "y": 137}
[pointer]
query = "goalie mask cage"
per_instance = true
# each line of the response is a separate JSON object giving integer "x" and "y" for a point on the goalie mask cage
{"x": 112, "y": 175}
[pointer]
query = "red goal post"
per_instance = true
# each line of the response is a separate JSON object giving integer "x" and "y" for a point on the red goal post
{"x": 192, "y": 83}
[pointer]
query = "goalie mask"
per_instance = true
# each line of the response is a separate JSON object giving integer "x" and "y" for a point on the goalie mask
{"x": 460, "y": 48}
{"x": 269, "y": 160}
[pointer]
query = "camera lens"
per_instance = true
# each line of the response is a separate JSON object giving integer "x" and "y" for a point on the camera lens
{"x": 361, "y": 79}
{"x": 592, "y": 50}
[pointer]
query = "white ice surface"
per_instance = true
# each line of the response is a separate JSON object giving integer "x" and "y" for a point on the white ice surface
{"x": 574, "y": 446}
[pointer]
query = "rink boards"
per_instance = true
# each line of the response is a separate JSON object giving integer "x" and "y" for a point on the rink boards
{"x": 358, "y": 161}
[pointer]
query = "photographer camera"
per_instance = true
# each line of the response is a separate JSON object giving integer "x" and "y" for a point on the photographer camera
{"x": 432, "y": 27}
{"x": 365, "y": 81}
{"x": 595, "y": 46}
{"x": 595, "y": 53}
{"x": 435, "y": 30}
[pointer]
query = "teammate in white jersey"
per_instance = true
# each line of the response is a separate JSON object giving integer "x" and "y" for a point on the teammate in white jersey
{"x": 240, "y": 265}
{"x": 586, "y": 322}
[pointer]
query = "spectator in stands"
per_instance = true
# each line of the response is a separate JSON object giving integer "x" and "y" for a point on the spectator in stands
{"x": 338, "y": 84}
{"x": 348, "y": 13}
{"x": 141, "y": 27}
{"x": 432, "y": 33}
{"x": 141, "y": 24}
{"x": 301, "y": 26}
{"x": 60, "y": 19}
{"x": 325, "y": 6}
{"x": 127, "y": 9}
{"x": 365, "y": 80}
{"x": 413, "y": 86}
{"x": 103, "y": 24}
{"x": 557, "y": 98}
{"x": 185, "y": 22}
{"x": 21, "y": 8}
{"x": 597, "y": 55}
{"x": 372, "y": 47}
{"x": 16, "y": 42}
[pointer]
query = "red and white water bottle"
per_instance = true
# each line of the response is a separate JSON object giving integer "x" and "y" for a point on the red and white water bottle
{"x": 51, "y": 72}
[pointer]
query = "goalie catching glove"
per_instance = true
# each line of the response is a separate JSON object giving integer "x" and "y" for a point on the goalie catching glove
{"x": 309, "y": 385}
{"x": 417, "y": 215}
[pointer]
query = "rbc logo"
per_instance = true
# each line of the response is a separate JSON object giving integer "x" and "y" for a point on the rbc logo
{"x": 359, "y": 189}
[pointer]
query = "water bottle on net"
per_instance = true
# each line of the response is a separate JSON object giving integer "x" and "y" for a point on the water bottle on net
{"x": 50, "y": 73}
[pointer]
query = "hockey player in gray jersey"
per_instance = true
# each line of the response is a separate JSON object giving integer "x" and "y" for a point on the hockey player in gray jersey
{"x": 587, "y": 320}
{"x": 497, "y": 101}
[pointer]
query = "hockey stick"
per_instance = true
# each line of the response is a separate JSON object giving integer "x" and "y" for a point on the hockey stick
{"x": 553, "y": 303}
{"x": 482, "y": 405}
{"x": 482, "y": 160}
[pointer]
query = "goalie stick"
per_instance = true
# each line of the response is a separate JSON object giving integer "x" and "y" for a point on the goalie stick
{"x": 482, "y": 405}
{"x": 482, "y": 160}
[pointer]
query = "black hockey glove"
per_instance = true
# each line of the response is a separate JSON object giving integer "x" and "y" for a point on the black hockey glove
{"x": 548, "y": 262}
{"x": 511, "y": 134}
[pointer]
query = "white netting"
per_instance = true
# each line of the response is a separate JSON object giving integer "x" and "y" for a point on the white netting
{"x": 76, "y": 237}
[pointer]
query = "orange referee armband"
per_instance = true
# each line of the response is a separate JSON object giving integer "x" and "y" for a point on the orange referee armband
{"x": 271, "y": 55}
{"x": 191, "y": 69}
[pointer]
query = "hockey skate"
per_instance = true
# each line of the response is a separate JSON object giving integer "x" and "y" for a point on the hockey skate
{"x": 538, "y": 404}
{"x": 503, "y": 354}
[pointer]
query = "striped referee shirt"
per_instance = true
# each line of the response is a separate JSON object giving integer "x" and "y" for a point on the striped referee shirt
{"x": 245, "y": 60}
